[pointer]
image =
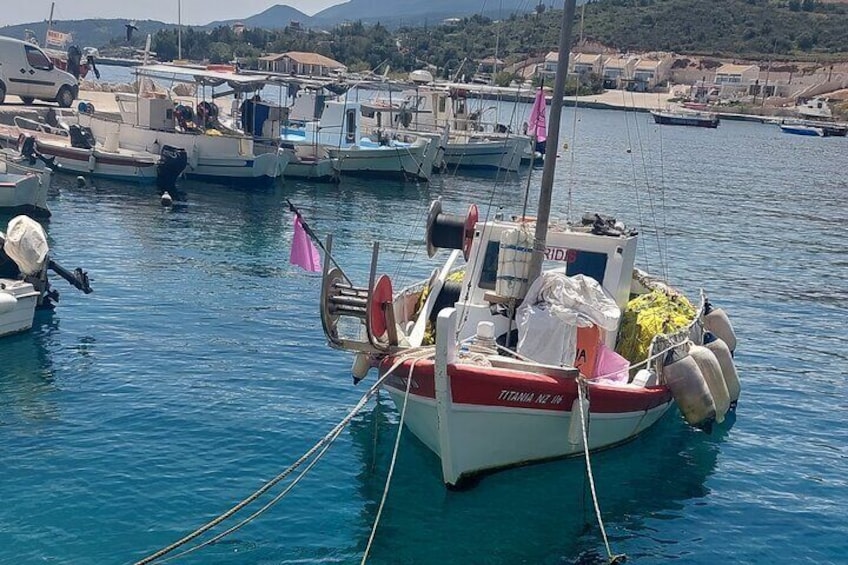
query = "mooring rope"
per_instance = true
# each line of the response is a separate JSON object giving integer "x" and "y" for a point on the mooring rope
{"x": 581, "y": 396}
{"x": 391, "y": 465}
{"x": 326, "y": 440}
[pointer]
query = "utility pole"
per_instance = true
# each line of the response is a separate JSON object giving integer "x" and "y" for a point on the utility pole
{"x": 582, "y": 17}
{"x": 179, "y": 29}
{"x": 49, "y": 23}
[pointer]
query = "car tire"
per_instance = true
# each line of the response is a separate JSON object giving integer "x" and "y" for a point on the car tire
{"x": 2, "y": 92}
{"x": 27, "y": 100}
{"x": 65, "y": 97}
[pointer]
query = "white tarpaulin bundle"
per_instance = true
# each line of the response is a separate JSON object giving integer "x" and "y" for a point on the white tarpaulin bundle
{"x": 555, "y": 306}
{"x": 26, "y": 244}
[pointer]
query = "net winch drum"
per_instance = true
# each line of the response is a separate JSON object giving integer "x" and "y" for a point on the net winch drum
{"x": 448, "y": 231}
{"x": 689, "y": 389}
{"x": 711, "y": 369}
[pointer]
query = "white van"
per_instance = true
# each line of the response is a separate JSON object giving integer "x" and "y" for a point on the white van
{"x": 26, "y": 72}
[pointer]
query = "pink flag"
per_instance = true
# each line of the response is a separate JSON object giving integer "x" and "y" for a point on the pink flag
{"x": 303, "y": 251}
{"x": 536, "y": 126}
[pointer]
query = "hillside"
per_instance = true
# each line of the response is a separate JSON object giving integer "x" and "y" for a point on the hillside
{"x": 728, "y": 27}
{"x": 88, "y": 33}
{"x": 275, "y": 17}
{"x": 416, "y": 12}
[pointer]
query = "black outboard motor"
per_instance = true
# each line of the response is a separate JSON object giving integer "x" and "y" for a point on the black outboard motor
{"x": 29, "y": 151}
{"x": 26, "y": 147}
{"x": 173, "y": 163}
{"x": 81, "y": 137}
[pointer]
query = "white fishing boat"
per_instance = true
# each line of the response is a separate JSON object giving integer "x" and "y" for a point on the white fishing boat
{"x": 471, "y": 142}
{"x": 23, "y": 186}
{"x": 339, "y": 130}
{"x": 73, "y": 149}
{"x": 150, "y": 122}
{"x": 547, "y": 343}
{"x": 24, "y": 262}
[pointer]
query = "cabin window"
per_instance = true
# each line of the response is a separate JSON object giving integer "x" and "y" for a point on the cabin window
{"x": 351, "y": 126}
{"x": 442, "y": 105}
{"x": 589, "y": 263}
{"x": 37, "y": 59}
{"x": 489, "y": 272}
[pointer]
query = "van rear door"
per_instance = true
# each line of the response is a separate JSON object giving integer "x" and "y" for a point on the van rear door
{"x": 35, "y": 77}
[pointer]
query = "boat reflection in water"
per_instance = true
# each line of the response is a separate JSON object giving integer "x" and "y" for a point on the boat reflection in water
{"x": 652, "y": 478}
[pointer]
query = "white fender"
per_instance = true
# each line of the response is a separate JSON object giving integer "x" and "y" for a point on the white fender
{"x": 711, "y": 370}
{"x": 728, "y": 368}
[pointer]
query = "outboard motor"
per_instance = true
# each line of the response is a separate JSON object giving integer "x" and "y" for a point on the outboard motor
{"x": 173, "y": 163}
{"x": 25, "y": 245}
{"x": 29, "y": 151}
{"x": 81, "y": 137}
{"x": 26, "y": 147}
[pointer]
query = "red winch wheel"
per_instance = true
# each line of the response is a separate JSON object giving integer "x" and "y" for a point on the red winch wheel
{"x": 381, "y": 294}
{"x": 470, "y": 221}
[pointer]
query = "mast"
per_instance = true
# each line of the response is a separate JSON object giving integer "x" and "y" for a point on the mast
{"x": 179, "y": 30}
{"x": 546, "y": 191}
{"x": 49, "y": 24}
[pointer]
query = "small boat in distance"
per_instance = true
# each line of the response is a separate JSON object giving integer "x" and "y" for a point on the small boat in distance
{"x": 802, "y": 129}
{"x": 685, "y": 117}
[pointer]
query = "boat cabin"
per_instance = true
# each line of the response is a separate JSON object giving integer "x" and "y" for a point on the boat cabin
{"x": 608, "y": 258}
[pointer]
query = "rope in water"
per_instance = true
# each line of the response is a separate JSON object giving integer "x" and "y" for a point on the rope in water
{"x": 391, "y": 465}
{"x": 325, "y": 441}
{"x": 582, "y": 396}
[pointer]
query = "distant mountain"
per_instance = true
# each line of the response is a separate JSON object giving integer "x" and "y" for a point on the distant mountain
{"x": 275, "y": 17}
{"x": 88, "y": 33}
{"x": 416, "y": 12}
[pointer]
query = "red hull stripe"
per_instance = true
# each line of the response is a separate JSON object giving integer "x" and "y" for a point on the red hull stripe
{"x": 488, "y": 386}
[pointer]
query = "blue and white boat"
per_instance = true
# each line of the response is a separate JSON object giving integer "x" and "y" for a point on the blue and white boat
{"x": 339, "y": 131}
{"x": 801, "y": 129}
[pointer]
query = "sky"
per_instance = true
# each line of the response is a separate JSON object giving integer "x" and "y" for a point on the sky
{"x": 194, "y": 12}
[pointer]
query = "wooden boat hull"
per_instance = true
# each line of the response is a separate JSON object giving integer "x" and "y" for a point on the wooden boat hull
{"x": 504, "y": 154}
{"x": 99, "y": 163}
{"x": 496, "y": 418}
{"x": 410, "y": 161}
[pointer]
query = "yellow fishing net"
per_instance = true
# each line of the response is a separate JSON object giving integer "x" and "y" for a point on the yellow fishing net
{"x": 430, "y": 331}
{"x": 647, "y": 315}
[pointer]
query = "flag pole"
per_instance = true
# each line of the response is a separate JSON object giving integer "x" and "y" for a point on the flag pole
{"x": 315, "y": 238}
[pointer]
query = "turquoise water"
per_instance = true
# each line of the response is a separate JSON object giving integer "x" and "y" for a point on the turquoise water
{"x": 197, "y": 370}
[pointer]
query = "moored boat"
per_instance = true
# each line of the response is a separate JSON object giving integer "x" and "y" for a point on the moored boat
{"x": 801, "y": 129}
{"x": 547, "y": 343}
{"x": 24, "y": 264}
{"x": 685, "y": 117}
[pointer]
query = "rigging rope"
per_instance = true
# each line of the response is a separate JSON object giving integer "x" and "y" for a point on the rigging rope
{"x": 327, "y": 439}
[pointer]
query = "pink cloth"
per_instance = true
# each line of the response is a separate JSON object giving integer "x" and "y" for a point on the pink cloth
{"x": 304, "y": 254}
{"x": 610, "y": 366}
{"x": 536, "y": 124}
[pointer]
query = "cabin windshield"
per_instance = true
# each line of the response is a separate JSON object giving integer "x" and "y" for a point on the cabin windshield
{"x": 572, "y": 261}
